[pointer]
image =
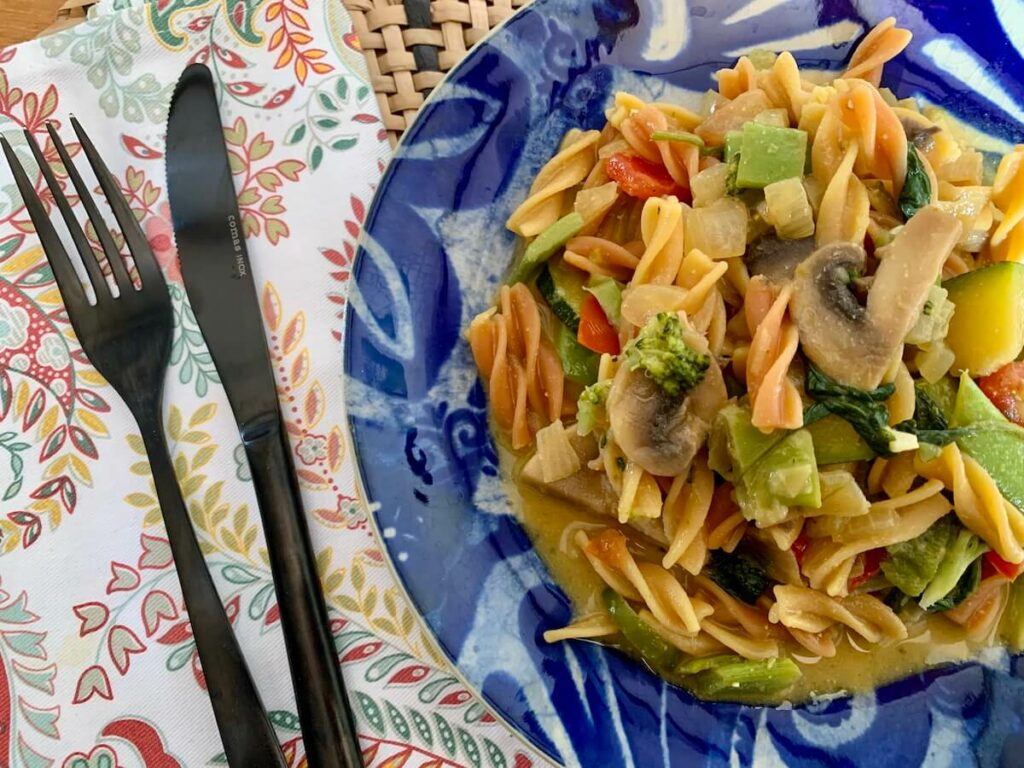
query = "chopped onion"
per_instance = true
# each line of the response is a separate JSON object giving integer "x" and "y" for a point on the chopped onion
{"x": 777, "y": 117}
{"x": 592, "y": 204}
{"x": 709, "y": 185}
{"x": 719, "y": 229}
{"x": 934, "y": 361}
{"x": 558, "y": 459}
{"x": 840, "y": 496}
{"x": 845, "y": 529}
{"x": 789, "y": 210}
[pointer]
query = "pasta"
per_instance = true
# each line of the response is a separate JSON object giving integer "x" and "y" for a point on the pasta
{"x": 752, "y": 363}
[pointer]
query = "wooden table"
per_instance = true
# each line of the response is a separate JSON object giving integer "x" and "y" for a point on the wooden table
{"x": 25, "y": 19}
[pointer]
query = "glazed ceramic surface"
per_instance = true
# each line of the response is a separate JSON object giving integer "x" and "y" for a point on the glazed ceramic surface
{"x": 434, "y": 252}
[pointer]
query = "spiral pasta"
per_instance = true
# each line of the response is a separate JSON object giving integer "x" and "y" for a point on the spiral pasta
{"x": 524, "y": 377}
{"x": 648, "y": 583}
{"x": 775, "y": 400}
{"x": 808, "y": 610}
{"x": 827, "y": 563}
{"x": 843, "y": 214}
{"x": 1008, "y": 195}
{"x": 882, "y": 44}
{"x": 978, "y": 502}
{"x": 661, "y": 226}
{"x": 546, "y": 200}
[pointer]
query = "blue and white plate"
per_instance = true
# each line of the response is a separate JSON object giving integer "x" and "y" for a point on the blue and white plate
{"x": 434, "y": 250}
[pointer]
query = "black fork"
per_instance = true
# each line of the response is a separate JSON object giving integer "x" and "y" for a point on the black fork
{"x": 128, "y": 339}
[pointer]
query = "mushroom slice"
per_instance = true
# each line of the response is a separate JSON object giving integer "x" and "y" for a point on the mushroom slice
{"x": 777, "y": 259}
{"x": 855, "y": 344}
{"x": 660, "y": 432}
{"x": 587, "y": 488}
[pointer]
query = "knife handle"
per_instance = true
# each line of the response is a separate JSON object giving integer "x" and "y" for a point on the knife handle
{"x": 328, "y": 728}
{"x": 245, "y": 730}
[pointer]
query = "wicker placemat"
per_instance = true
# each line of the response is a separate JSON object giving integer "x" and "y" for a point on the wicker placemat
{"x": 388, "y": 39}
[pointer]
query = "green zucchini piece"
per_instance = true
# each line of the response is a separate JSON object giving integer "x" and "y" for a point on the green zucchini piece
{"x": 562, "y": 288}
{"x": 545, "y": 245}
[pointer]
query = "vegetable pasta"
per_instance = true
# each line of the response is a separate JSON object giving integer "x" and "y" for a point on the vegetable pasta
{"x": 767, "y": 352}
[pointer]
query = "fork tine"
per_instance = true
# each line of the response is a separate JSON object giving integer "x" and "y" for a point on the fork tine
{"x": 110, "y": 250}
{"x": 92, "y": 267}
{"x": 142, "y": 255}
{"x": 63, "y": 271}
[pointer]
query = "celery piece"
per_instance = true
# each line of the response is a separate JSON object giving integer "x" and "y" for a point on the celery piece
{"x": 911, "y": 565}
{"x": 770, "y": 153}
{"x": 733, "y": 144}
{"x": 544, "y": 246}
{"x": 763, "y": 468}
{"x": 578, "y": 362}
{"x": 608, "y": 293}
{"x": 649, "y": 644}
{"x": 995, "y": 442}
{"x": 685, "y": 136}
{"x": 747, "y": 678}
{"x": 836, "y": 442}
{"x": 964, "y": 549}
{"x": 695, "y": 665}
{"x": 1013, "y": 618}
{"x": 942, "y": 393}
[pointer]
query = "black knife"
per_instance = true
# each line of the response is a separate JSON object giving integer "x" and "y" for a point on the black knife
{"x": 219, "y": 282}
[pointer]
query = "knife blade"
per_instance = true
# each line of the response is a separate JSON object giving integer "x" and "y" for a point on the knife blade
{"x": 219, "y": 282}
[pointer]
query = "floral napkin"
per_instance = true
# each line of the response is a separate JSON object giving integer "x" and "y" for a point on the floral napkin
{"x": 97, "y": 664}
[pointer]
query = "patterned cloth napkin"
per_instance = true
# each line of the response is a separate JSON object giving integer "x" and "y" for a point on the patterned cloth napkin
{"x": 97, "y": 664}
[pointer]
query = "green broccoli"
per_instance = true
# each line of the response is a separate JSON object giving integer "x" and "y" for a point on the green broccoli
{"x": 590, "y": 406}
{"x": 662, "y": 352}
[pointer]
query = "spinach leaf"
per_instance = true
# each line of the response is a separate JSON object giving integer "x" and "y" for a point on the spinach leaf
{"x": 742, "y": 577}
{"x": 929, "y": 422}
{"x": 864, "y": 409}
{"x": 917, "y": 189}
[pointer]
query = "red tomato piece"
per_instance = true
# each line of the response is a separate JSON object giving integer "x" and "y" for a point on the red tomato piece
{"x": 1005, "y": 388}
{"x": 596, "y": 333}
{"x": 994, "y": 563}
{"x": 872, "y": 560}
{"x": 641, "y": 178}
{"x": 800, "y": 547}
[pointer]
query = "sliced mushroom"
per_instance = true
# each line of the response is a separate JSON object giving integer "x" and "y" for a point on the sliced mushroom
{"x": 919, "y": 129}
{"x": 855, "y": 344}
{"x": 659, "y": 432}
{"x": 587, "y": 488}
{"x": 777, "y": 259}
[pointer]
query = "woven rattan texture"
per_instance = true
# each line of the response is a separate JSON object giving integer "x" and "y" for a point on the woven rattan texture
{"x": 387, "y": 41}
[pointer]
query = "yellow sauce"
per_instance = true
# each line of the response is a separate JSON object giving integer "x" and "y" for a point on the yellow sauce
{"x": 934, "y": 641}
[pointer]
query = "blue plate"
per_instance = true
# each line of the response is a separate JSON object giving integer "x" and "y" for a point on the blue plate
{"x": 434, "y": 250}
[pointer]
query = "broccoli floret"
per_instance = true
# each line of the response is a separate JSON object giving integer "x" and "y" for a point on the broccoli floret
{"x": 590, "y": 406}
{"x": 661, "y": 351}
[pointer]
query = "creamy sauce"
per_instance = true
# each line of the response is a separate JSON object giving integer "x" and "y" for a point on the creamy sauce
{"x": 935, "y": 640}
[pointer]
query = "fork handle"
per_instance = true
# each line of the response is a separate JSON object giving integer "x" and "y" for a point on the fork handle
{"x": 248, "y": 736}
{"x": 328, "y": 728}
